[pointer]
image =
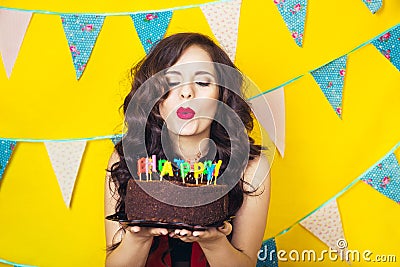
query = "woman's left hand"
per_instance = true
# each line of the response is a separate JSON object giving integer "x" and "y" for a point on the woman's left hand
{"x": 209, "y": 235}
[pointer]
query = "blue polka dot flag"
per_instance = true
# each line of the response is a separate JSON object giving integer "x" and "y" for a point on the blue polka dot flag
{"x": 293, "y": 13}
{"x": 389, "y": 46}
{"x": 267, "y": 256}
{"x": 116, "y": 138}
{"x": 373, "y": 5}
{"x": 330, "y": 78}
{"x": 385, "y": 177}
{"x": 6, "y": 149}
{"x": 151, "y": 27}
{"x": 81, "y": 32}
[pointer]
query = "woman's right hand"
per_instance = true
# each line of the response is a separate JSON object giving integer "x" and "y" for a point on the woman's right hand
{"x": 146, "y": 233}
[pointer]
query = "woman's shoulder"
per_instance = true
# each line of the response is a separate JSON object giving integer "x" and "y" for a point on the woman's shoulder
{"x": 257, "y": 171}
{"x": 114, "y": 158}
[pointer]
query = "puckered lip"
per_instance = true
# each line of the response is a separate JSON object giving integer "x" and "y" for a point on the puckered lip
{"x": 185, "y": 113}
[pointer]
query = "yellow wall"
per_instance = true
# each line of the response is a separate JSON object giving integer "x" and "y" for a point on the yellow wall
{"x": 323, "y": 153}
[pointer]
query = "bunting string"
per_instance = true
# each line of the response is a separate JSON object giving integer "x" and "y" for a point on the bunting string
{"x": 48, "y": 12}
{"x": 30, "y": 140}
{"x": 341, "y": 192}
{"x": 310, "y": 71}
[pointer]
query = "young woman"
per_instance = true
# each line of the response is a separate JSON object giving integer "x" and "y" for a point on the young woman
{"x": 188, "y": 105}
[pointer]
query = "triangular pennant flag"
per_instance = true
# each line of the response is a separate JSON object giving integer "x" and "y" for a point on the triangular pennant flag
{"x": 223, "y": 19}
{"x": 330, "y": 78}
{"x": 13, "y": 25}
{"x": 116, "y": 138}
{"x": 326, "y": 224}
{"x": 81, "y": 31}
{"x": 385, "y": 177}
{"x": 267, "y": 255}
{"x": 389, "y": 45}
{"x": 151, "y": 27}
{"x": 66, "y": 158}
{"x": 373, "y": 5}
{"x": 269, "y": 110}
{"x": 6, "y": 149}
{"x": 293, "y": 13}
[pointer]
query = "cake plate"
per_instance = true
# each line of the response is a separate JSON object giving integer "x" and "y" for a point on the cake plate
{"x": 122, "y": 219}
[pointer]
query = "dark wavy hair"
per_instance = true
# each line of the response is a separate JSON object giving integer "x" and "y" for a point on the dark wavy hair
{"x": 228, "y": 148}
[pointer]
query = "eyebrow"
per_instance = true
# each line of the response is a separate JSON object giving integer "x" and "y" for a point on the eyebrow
{"x": 200, "y": 72}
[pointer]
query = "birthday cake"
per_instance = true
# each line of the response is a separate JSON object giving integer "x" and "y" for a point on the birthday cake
{"x": 157, "y": 191}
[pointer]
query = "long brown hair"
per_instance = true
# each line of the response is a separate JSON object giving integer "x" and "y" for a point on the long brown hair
{"x": 162, "y": 56}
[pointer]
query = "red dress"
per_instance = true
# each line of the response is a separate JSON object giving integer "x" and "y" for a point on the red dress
{"x": 155, "y": 259}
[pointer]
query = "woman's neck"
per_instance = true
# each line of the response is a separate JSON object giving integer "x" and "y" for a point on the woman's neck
{"x": 190, "y": 148}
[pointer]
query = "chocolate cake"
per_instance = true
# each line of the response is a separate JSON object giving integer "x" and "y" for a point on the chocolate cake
{"x": 148, "y": 200}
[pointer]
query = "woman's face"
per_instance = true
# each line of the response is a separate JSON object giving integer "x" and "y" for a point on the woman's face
{"x": 193, "y": 94}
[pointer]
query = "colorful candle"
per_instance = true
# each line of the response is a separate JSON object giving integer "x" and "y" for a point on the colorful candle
{"x": 185, "y": 168}
{"x": 198, "y": 168}
{"x": 141, "y": 167}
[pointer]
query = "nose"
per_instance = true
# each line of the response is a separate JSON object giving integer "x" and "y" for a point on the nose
{"x": 187, "y": 91}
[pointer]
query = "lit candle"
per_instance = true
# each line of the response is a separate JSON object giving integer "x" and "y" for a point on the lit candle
{"x": 167, "y": 168}
{"x": 141, "y": 167}
{"x": 198, "y": 169}
{"x": 185, "y": 168}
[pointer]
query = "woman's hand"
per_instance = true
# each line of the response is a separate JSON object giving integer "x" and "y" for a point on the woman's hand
{"x": 145, "y": 233}
{"x": 210, "y": 235}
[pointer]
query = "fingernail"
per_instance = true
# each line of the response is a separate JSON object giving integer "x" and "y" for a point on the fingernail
{"x": 177, "y": 232}
{"x": 135, "y": 229}
{"x": 196, "y": 234}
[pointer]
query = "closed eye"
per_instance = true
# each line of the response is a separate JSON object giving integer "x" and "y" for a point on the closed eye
{"x": 203, "y": 84}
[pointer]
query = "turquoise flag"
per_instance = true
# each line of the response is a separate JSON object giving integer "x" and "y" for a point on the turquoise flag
{"x": 330, "y": 78}
{"x": 81, "y": 32}
{"x": 373, "y": 5}
{"x": 267, "y": 256}
{"x": 6, "y": 149}
{"x": 385, "y": 177}
{"x": 151, "y": 27}
{"x": 389, "y": 46}
{"x": 293, "y": 13}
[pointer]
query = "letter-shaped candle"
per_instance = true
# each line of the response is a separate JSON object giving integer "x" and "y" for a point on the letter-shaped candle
{"x": 210, "y": 170}
{"x": 167, "y": 168}
{"x": 185, "y": 168}
{"x": 216, "y": 171}
{"x": 217, "y": 167}
{"x": 178, "y": 162}
{"x": 160, "y": 164}
{"x": 141, "y": 167}
{"x": 153, "y": 163}
{"x": 198, "y": 169}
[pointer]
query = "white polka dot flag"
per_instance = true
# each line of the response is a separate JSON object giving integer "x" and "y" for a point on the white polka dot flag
{"x": 326, "y": 224}
{"x": 269, "y": 110}
{"x": 81, "y": 31}
{"x": 223, "y": 19}
{"x": 330, "y": 78}
{"x": 151, "y": 27}
{"x": 13, "y": 25}
{"x": 66, "y": 158}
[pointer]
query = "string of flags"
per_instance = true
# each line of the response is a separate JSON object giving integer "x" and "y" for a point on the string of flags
{"x": 325, "y": 222}
{"x": 82, "y": 30}
{"x": 65, "y": 157}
